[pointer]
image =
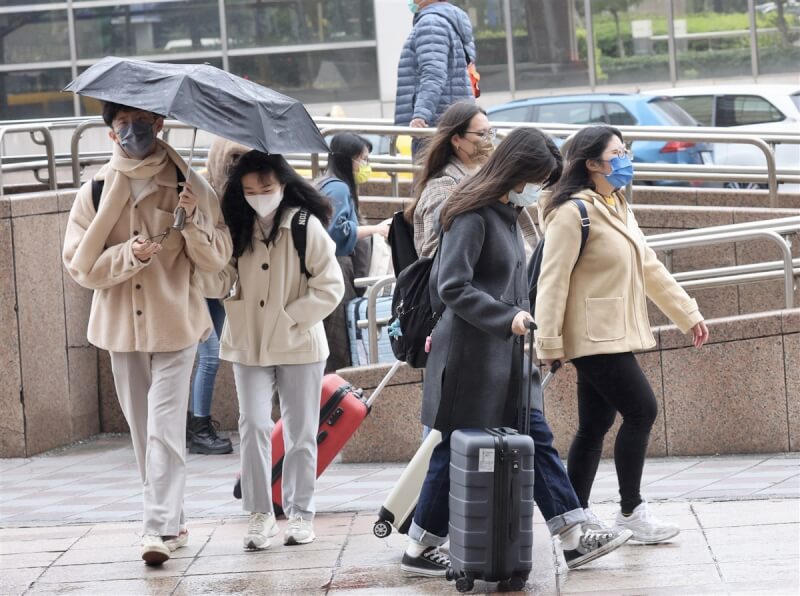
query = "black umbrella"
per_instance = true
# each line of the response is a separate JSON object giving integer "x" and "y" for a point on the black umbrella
{"x": 208, "y": 98}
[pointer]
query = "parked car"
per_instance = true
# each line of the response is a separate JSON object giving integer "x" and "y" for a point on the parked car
{"x": 614, "y": 109}
{"x": 751, "y": 108}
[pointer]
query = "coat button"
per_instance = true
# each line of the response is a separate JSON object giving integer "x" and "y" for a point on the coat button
{"x": 265, "y": 266}
{"x": 138, "y": 286}
{"x": 139, "y": 313}
{"x": 262, "y": 303}
{"x": 136, "y": 232}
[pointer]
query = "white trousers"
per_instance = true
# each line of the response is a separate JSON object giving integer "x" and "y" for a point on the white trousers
{"x": 153, "y": 391}
{"x": 299, "y": 387}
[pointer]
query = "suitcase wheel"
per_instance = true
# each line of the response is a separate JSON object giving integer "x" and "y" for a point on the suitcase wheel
{"x": 381, "y": 529}
{"x": 513, "y": 584}
{"x": 465, "y": 583}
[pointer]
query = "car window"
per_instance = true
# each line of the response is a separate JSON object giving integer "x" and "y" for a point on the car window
{"x": 700, "y": 107}
{"x": 738, "y": 110}
{"x": 578, "y": 112}
{"x": 672, "y": 113}
{"x": 519, "y": 114}
{"x": 796, "y": 100}
{"x": 618, "y": 115}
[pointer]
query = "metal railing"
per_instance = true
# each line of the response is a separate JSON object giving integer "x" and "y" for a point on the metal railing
{"x": 376, "y": 286}
{"x": 47, "y": 141}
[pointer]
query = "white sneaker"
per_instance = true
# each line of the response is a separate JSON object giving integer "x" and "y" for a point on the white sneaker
{"x": 154, "y": 551}
{"x": 646, "y": 528}
{"x": 593, "y": 522}
{"x": 260, "y": 528}
{"x": 299, "y": 531}
{"x": 173, "y": 543}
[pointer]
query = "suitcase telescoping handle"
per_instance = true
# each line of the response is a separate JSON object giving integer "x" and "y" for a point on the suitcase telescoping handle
{"x": 384, "y": 382}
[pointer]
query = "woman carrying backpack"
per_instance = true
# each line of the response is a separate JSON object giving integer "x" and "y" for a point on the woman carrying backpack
{"x": 470, "y": 378}
{"x": 273, "y": 333}
{"x": 348, "y": 166}
{"x": 592, "y": 310}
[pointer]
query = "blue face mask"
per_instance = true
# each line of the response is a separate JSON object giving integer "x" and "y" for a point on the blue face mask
{"x": 621, "y": 172}
{"x": 529, "y": 195}
{"x": 412, "y": 6}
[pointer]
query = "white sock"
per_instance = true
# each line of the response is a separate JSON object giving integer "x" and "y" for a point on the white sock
{"x": 571, "y": 538}
{"x": 415, "y": 548}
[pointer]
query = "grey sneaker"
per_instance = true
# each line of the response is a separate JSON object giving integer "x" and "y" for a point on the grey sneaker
{"x": 646, "y": 528}
{"x": 260, "y": 528}
{"x": 594, "y": 544}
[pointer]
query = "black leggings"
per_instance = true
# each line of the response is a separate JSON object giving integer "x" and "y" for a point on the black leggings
{"x": 607, "y": 384}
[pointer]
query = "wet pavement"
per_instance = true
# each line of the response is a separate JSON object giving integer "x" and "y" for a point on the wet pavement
{"x": 68, "y": 525}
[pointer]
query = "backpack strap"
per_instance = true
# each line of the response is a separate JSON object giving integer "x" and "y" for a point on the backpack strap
{"x": 299, "y": 233}
{"x": 97, "y": 187}
{"x": 585, "y": 223}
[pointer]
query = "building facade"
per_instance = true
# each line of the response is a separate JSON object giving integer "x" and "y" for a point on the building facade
{"x": 326, "y": 52}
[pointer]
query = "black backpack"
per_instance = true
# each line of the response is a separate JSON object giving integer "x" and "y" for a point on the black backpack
{"x": 415, "y": 312}
{"x": 299, "y": 220}
{"x": 535, "y": 264}
{"x": 401, "y": 240}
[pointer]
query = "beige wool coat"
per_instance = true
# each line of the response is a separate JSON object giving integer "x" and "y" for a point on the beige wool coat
{"x": 596, "y": 304}
{"x": 274, "y": 313}
{"x": 153, "y": 306}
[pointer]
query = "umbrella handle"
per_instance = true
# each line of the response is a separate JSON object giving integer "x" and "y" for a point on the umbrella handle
{"x": 180, "y": 212}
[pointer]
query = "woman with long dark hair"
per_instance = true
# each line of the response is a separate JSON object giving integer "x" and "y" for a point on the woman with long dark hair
{"x": 348, "y": 166}
{"x": 591, "y": 309}
{"x": 273, "y": 333}
{"x": 471, "y": 380}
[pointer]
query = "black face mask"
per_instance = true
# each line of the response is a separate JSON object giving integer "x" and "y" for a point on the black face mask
{"x": 137, "y": 139}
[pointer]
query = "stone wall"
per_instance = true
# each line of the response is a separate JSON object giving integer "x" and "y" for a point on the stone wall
{"x": 58, "y": 389}
{"x": 738, "y": 394}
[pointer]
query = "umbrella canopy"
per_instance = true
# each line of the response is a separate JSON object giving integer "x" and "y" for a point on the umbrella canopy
{"x": 208, "y": 98}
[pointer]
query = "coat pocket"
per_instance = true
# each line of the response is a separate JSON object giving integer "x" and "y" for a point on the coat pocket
{"x": 235, "y": 333}
{"x": 287, "y": 337}
{"x": 605, "y": 318}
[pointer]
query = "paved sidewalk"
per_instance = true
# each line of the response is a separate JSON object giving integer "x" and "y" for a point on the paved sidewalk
{"x": 69, "y": 525}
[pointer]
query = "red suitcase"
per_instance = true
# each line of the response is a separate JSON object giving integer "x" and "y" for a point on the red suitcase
{"x": 342, "y": 410}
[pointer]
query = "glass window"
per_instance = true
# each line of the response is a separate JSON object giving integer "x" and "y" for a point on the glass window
{"x": 712, "y": 39}
{"x": 580, "y": 112}
{"x": 260, "y": 23}
{"x": 739, "y": 110}
{"x": 148, "y": 28}
{"x": 549, "y": 44}
{"x": 489, "y": 30}
{"x": 796, "y": 99}
{"x": 520, "y": 114}
{"x": 93, "y": 107}
{"x": 314, "y": 77}
{"x": 34, "y": 37}
{"x": 699, "y": 107}
{"x": 672, "y": 113}
{"x": 618, "y": 115}
{"x": 630, "y": 42}
{"x": 778, "y": 49}
{"x": 35, "y": 94}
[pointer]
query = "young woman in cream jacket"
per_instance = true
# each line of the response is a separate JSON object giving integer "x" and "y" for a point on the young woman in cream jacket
{"x": 274, "y": 336}
{"x": 591, "y": 309}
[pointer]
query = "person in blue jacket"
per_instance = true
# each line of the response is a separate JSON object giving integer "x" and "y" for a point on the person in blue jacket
{"x": 432, "y": 72}
{"x": 348, "y": 166}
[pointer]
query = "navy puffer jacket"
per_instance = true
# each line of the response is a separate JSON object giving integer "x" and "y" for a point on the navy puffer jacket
{"x": 432, "y": 72}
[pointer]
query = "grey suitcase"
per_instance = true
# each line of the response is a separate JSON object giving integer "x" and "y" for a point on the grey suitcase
{"x": 491, "y": 502}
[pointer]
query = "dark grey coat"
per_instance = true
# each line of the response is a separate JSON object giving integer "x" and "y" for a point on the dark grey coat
{"x": 471, "y": 378}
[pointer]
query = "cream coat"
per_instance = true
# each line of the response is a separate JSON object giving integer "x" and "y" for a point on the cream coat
{"x": 154, "y": 306}
{"x": 597, "y": 304}
{"x": 275, "y": 313}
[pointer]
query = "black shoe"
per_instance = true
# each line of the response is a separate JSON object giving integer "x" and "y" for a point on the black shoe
{"x": 594, "y": 544}
{"x": 205, "y": 440}
{"x": 188, "y": 428}
{"x": 431, "y": 563}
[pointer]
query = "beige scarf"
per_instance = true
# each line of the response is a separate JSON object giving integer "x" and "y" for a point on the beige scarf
{"x": 116, "y": 194}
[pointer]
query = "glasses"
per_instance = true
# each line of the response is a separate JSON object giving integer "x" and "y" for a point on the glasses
{"x": 486, "y": 135}
{"x": 621, "y": 153}
{"x": 364, "y": 161}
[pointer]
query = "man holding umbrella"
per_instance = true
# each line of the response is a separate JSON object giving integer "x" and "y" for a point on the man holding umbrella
{"x": 123, "y": 241}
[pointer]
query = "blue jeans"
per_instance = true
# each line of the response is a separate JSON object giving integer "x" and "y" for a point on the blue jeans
{"x": 208, "y": 362}
{"x": 552, "y": 490}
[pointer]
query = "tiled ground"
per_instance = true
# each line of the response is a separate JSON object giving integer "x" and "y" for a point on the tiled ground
{"x": 98, "y": 481}
{"x": 67, "y": 527}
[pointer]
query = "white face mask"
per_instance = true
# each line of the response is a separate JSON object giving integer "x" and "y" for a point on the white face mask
{"x": 265, "y": 205}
